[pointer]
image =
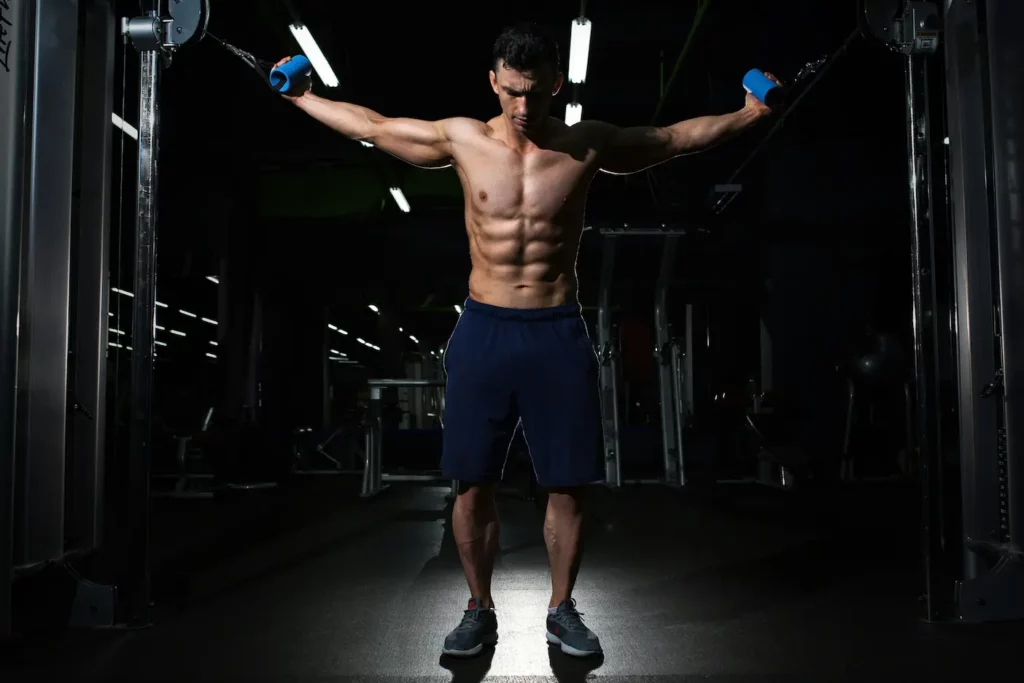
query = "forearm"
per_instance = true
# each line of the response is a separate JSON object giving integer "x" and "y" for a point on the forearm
{"x": 705, "y": 132}
{"x": 351, "y": 120}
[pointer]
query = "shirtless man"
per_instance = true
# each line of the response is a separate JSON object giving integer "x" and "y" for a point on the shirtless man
{"x": 520, "y": 354}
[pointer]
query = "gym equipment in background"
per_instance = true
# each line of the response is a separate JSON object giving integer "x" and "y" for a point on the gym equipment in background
{"x": 375, "y": 479}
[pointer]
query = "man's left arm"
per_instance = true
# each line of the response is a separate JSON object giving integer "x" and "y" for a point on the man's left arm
{"x": 631, "y": 150}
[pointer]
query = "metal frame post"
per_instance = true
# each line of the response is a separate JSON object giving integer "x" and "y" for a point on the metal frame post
{"x": 975, "y": 297}
{"x": 682, "y": 409}
{"x": 985, "y": 111}
{"x": 89, "y": 370}
{"x": 16, "y": 20}
{"x": 45, "y": 294}
{"x": 688, "y": 360}
{"x": 926, "y": 407}
{"x": 1005, "y": 57}
{"x": 671, "y": 443}
{"x": 608, "y": 354}
{"x": 137, "y": 596}
{"x": 767, "y": 356}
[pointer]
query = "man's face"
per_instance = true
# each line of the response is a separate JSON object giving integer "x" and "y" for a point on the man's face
{"x": 525, "y": 96}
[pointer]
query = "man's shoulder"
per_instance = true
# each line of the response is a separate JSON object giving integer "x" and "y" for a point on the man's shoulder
{"x": 463, "y": 127}
{"x": 593, "y": 132}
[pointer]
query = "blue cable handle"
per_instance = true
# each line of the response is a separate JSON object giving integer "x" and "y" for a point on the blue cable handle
{"x": 763, "y": 88}
{"x": 285, "y": 76}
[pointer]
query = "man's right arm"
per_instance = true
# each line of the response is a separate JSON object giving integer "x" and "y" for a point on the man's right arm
{"x": 422, "y": 143}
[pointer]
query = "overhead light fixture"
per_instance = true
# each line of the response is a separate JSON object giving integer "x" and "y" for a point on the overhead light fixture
{"x": 115, "y": 331}
{"x": 212, "y": 355}
{"x": 191, "y": 315}
{"x": 159, "y": 328}
{"x": 400, "y": 199}
{"x": 573, "y": 113}
{"x": 312, "y": 51}
{"x": 122, "y": 292}
{"x": 458, "y": 309}
{"x": 337, "y": 329}
{"x": 414, "y": 339}
{"x": 374, "y": 308}
{"x": 129, "y": 130}
{"x": 364, "y": 143}
{"x": 208, "y": 321}
{"x": 579, "y": 50}
{"x": 160, "y": 343}
{"x": 177, "y": 333}
{"x": 214, "y": 279}
{"x": 335, "y": 351}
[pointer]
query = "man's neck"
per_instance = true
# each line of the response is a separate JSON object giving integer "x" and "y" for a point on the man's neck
{"x": 526, "y": 140}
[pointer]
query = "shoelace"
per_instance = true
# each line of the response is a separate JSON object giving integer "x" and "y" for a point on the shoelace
{"x": 575, "y": 617}
{"x": 469, "y": 618}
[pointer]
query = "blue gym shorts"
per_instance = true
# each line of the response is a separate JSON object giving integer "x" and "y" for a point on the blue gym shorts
{"x": 530, "y": 368}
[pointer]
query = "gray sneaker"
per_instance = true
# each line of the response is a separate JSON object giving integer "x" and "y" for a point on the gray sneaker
{"x": 566, "y": 629}
{"x": 479, "y": 627}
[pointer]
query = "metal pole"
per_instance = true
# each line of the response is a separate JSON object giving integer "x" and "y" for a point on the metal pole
{"x": 680, "y": 407}
{"x": 688, "y": 360}
{"x": 376, "y": 470}
{"x": 143, "y": 322}
{"x": 926, "y": 406}
{"x": 1007, "y": 136}
{"x": 976, "y": 301}
{"x": 85, "y": 518}
{"x": 367, "y": 463}
{"x": 16, "y": 57}
{"x": 669, "y": 445}
{"x": 608, "y": 383}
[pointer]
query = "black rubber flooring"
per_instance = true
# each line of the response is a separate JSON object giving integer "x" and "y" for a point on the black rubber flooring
{"x": 742, "y": 585}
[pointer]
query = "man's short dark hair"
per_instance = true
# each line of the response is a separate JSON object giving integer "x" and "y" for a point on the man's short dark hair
{"x": 526, "y": 46}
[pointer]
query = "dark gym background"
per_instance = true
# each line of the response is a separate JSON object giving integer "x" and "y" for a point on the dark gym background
{"x": 275, "y": 235}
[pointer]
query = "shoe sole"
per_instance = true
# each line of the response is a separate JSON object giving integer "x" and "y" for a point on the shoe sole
{"x": 490, "y": 639}
{"x": 568, "y": 649}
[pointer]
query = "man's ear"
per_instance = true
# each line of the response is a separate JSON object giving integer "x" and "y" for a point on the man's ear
{"x": 559, "y": 81}
{"x": 494, "y": 81}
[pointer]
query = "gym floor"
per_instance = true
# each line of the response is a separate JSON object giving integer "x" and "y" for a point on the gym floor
{"x": 737, "y": 585}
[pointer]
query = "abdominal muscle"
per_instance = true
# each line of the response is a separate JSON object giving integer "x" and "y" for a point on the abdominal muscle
{"x": 523, "y": 263}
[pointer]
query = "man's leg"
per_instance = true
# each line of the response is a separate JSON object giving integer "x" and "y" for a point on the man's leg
{"x": 563, "y": 525}
{"x": 475, "y": 527}
{"x": 480, "y": 417}
{"x": 560, "y": 406}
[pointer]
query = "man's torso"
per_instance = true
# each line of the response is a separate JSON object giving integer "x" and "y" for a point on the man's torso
{"x": 524, "y": 211}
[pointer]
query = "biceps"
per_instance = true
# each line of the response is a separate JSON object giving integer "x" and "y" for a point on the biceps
{"x": 421, "y": 143}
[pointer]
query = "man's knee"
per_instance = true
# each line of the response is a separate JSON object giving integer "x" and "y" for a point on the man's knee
{"x": 568, "y": 498}
{"x": 476, "y": 494}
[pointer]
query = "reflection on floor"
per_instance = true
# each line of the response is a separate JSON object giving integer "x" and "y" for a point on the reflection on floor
{"x": 744, "y": 586}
